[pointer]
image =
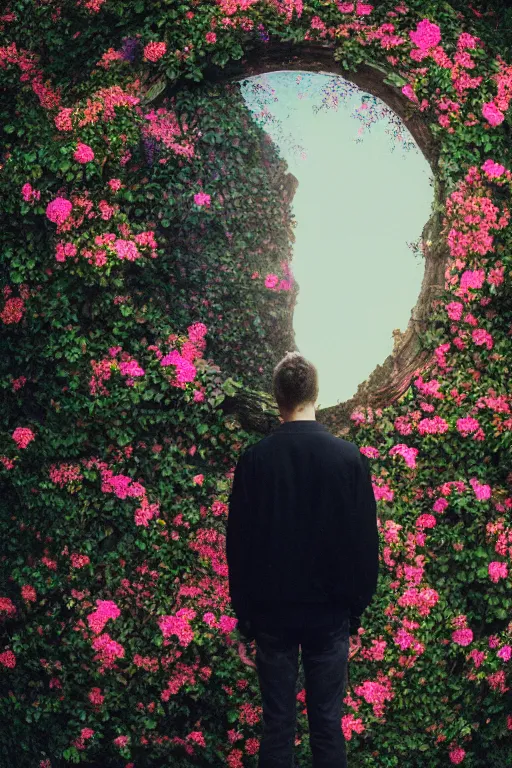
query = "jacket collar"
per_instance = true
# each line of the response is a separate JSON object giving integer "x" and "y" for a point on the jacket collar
{"x": 305, "y": 425}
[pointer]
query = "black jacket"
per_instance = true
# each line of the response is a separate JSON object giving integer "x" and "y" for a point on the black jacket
{"x": 302, "y": 538}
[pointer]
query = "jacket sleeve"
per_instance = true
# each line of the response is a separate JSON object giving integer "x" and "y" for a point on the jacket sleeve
{"x": 364, "y": 542}
{"x": 237, "y": 537}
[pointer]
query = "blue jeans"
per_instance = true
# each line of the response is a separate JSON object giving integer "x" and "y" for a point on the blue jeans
{"x": 325, "y": 659}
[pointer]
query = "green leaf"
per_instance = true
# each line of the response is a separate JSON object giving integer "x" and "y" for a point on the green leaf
{"x": 155, "y": 90}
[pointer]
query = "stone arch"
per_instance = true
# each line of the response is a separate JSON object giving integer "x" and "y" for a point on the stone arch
{"x": 391, "y": 378}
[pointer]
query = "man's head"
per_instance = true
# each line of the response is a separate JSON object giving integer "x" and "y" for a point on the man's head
{"x": 295, "y": 384}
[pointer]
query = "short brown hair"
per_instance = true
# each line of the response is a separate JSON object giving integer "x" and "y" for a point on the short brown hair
{"x": 294, "y": 381}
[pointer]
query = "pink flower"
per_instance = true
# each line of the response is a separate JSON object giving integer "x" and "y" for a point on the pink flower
{"x": 121, "y": 741}
{"x": 7, "y": 606}
{"x": 481, "y": 336}
{"x": 497, "y": 570}
{"x": 505, "y": 653}
{"x": 197, "y": 331}
{"x": 211, "y": 37}
{"x": 59, "y": 210}
{"x": 79, "y": 561}
{"x": 22, "y": 436}
{"x": 426, "y": 35}
{"x": 154, "y": 51}
{"x": 131, "y": 368}
{"x": 83, "y": 153}
{"x": 454, "y": 310}
{"x": 28, "y": 593}
{"x": 12, "y": 311}
{"x": 115, "y": 184}
{"x": 482, "y": 491}
{"x": 457, "y": 755}
{"x": 96, "y": 697}
{"x": 63, "y": 119}
{"x": 106, "y": 610}
{"x": 271, "y": 280}
{"x": 201, "y": 198}
{"x": 492, "y": 114}
{"x": 197, "y": 737}
{"x": 30, "y": 195}
{"x": 492, "y": 169}
{"x": 8, "y": 659}
{"x": 364, "y": 9}
{"x": 126, "y": 249}
{"x": 408, "y": 91}
{"x": 462, "y": 636}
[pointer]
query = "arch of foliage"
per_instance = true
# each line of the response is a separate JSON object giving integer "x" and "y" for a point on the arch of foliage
{"x": 144, "y": 258}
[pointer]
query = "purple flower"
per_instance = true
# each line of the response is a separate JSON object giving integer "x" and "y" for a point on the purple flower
{"x": 263, "y": 33}
{"x": 129, "y": 49}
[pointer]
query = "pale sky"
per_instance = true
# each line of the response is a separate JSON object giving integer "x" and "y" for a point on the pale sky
{"x": 357, "y": 206}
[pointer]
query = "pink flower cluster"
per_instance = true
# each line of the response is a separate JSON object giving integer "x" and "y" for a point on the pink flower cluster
{"x": 28, "y": 593}
{"x": 146, "y": 512}
{"x": 8, "y": 659}
{"x": 85, "y": 733}
{"x": 7, "y": 606}
{"x": 361, "y": 9}
{"x": 22, "y": 436}
{"x": 492, "y": 114}
{"x": 64, "y": 250}
{"x": 12, "y": 311}
{"x": 106, "y": 610}
{"x": 131, "y": 368}
{"x": 482, "y": 491}
{"x": 79, "y": 561}
{"x": 108, "y": 650}
{"x": 497, "y": 570}
{"x": 164, "y": 126}
{"x": 83, "y": 153}
{"x": 59, "y": 210}
{"x": 121, "y": 485}
{"x": 185, "y": 370}
{"x": 108, "y": 57}
{"x": 178, "y": 625}
{"x": 154, "y": 51}
{"x": 96, "y": 697}
{"x": 126, "y": 249}
{"x": 30, "y": 195}
{"x": 65, "y": 473}
{"x": 426, "y": 36}
{"x": 407, "y": 452}
{"x": 472, "y": 215}
{"x": 434, "y": 426}
{"x": 201, "y": 198}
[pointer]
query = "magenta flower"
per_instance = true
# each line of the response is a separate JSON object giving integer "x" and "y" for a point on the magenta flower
{"x": 59, "y": 210}
{"x": 201, "y": 198}
{"x": 83, "y": 153}
{"x": 492, "y": 114}
{"x": 492, "y": 169}
{"x": 427, "y": 35}
{"x": 22, "y": 436}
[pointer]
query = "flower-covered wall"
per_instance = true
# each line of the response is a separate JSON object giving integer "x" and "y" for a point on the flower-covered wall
{"x": 145, "y": 241}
